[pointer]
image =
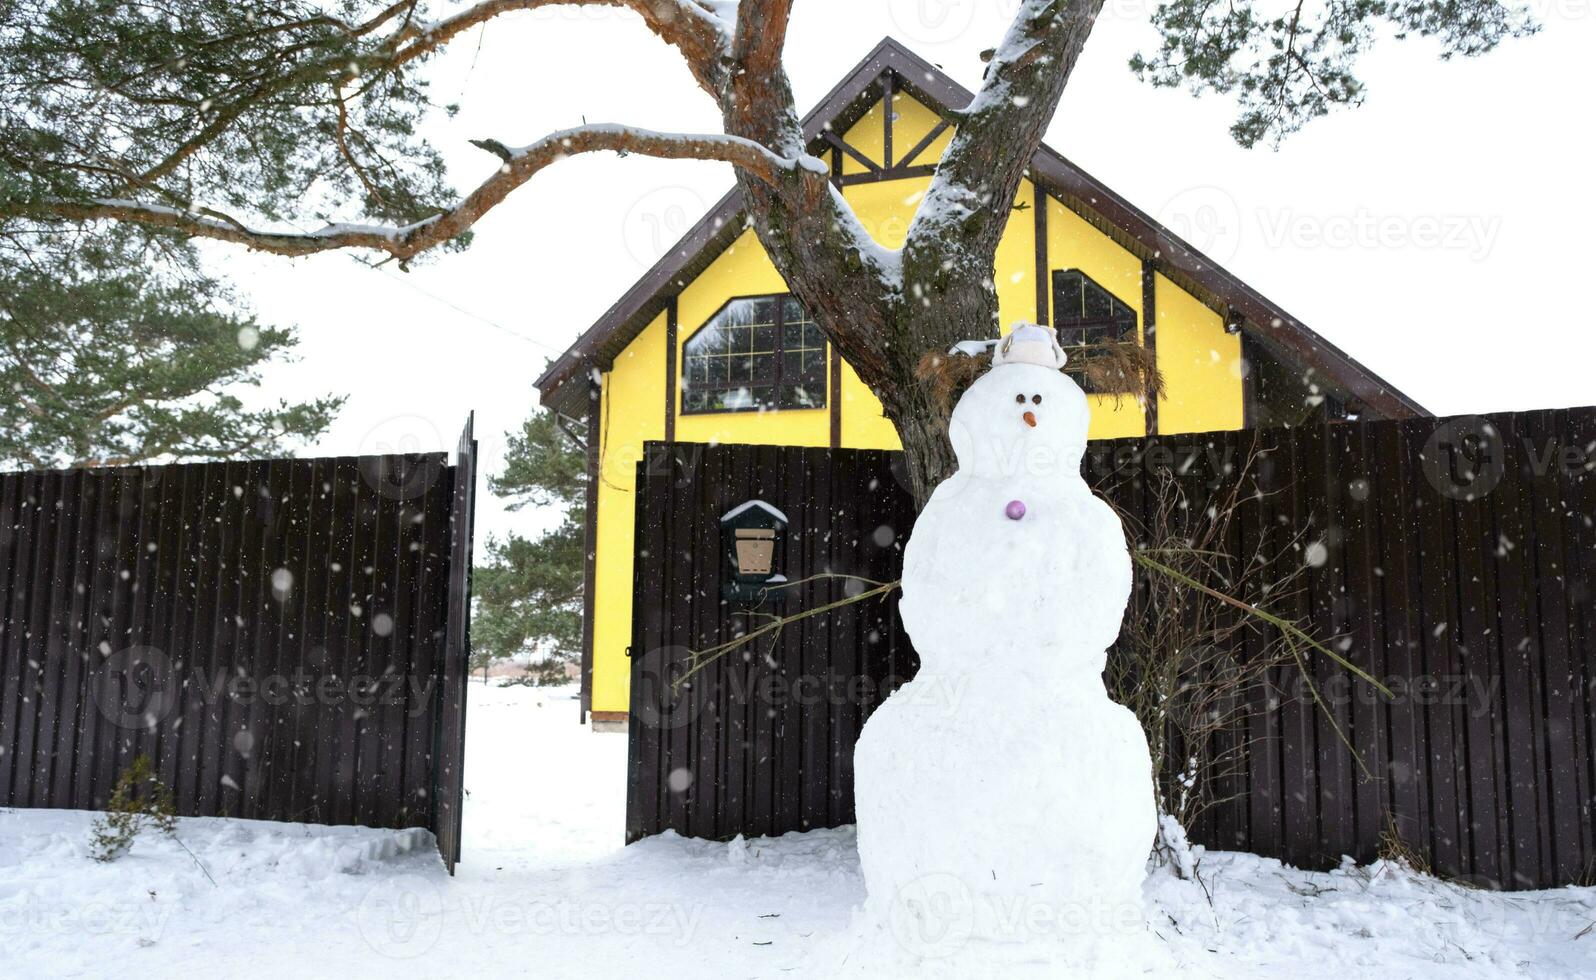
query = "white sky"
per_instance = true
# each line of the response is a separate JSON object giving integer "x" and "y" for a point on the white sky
{"x": 1438, "y": 233}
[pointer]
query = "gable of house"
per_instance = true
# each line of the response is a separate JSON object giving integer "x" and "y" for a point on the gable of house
{"x": 1073, "y": 255}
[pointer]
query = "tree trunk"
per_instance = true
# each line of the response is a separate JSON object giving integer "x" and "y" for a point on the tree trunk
{"x": 953, "y": 305}
{"x": 927, "y": 454}
{"x": 884, "y": 314}
{"x": 884, "y": 333}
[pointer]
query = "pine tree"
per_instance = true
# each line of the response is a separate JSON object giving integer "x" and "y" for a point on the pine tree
{"x": 140, "y": 800}
{"x": 112, "y": 353}
{"x": 529, "y": 590}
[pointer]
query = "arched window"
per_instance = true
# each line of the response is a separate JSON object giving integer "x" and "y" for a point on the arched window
{"x": 756, "y": 353}
{"x": 1086, "y": 313}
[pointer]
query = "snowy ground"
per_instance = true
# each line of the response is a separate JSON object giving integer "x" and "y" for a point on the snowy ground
{"x": 546, "y": 890}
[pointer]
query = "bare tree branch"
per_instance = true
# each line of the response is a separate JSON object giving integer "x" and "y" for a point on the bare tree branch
{"x": 809, "y": 230}
{"x": 693, "y": 31}
{"x": 405, "y": 243}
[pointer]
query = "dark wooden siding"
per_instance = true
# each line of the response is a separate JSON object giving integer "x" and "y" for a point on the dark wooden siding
{"x": 1458, "y": 562}
{"x": 284, "y": 638}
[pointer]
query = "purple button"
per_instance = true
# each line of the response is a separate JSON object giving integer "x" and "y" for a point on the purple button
{"x": 1015, "y": 510}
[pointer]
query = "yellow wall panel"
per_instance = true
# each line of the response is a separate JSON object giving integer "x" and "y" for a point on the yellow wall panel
{"x": 863, "y": 424}
{"x": 632, "y": 412}
{"x": 886, "y": 208}
{"x": 1015, "y": 274}
{"x": 1073, "y": 243}
{"x": 866, "y": 136}
{"x": 1201, "y": 365}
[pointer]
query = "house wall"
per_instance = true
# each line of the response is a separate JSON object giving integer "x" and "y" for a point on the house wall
{"x": 1072, "y": 243}
{"x": 1201, "y": 363}
{"x": 632, "y": 411}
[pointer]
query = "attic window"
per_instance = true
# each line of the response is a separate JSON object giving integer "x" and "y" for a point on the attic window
{"x": 758, "y": 353}
{"x": 1086, "y": 313}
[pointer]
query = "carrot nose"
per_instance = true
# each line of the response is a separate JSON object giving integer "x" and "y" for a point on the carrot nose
{"x": 1030, "y": 419}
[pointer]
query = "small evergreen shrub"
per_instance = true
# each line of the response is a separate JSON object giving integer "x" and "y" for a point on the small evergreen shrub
{"x": 140, "y": 800}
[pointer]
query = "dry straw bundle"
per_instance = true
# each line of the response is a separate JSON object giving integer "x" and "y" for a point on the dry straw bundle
{"x": 1111, "y": 368}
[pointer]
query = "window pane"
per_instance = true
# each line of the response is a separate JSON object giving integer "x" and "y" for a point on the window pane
{"x": 1086, "y": 313}
{"x": 762, "y": 369}
{"x": 737, "y": 362}
{"x": 762, "y": 338}
{"x": 1098, "y": 305}
{"x": 741, "y": 370}
{"x": 802, "y": 396}
{"x": 1067, "y": 296}
{"x": 741, "y": 312}
{"x": 792, "y": 369}
{"x": 712, "y": 338}
{"x": 738, "y": 399}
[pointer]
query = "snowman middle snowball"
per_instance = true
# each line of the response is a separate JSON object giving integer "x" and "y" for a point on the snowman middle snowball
{"x": 1040, "y": 594}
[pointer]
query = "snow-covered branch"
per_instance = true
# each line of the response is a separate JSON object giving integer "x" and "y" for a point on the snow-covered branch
{"x": 405, "y": 242}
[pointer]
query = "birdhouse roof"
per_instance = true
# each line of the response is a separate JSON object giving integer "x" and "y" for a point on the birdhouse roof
{"x": 755, "y": 513}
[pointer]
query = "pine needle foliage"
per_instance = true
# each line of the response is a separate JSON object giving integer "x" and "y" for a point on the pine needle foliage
{"x": 139, "y": 801}
{"x": 113, "y": 352}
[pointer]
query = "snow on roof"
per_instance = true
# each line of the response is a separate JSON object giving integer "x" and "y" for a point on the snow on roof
{"x": 747, "y": 505}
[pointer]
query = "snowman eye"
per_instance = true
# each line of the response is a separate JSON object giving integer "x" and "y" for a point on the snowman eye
{"x": 1019, "y": 399}
{"x": 1036, "y": 399}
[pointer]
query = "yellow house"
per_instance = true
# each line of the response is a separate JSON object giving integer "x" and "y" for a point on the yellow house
{"x": 708, "y": 346}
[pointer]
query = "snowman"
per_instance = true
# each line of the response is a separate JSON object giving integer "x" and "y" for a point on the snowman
{"x": 1001, "y": 796}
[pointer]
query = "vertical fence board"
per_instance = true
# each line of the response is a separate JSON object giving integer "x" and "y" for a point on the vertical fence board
{"x": 1556, "y": 613}
{"x": 13, "y": 537}
{"x": 1366, "y": 630}
{"x": 450, "y": 771}
{"x": 1579, "y": 528}
{"x": 1266, "y": 761}
{"x": 1405, "y": 772}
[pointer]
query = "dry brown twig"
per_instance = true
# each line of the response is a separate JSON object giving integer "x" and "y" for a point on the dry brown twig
{"x": 1181, "y": 663}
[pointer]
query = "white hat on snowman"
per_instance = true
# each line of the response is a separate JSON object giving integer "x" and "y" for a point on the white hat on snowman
{"x": 1029, "y": 343}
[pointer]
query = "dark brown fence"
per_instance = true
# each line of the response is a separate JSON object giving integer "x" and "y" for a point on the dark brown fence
{"x": 1452, "y": 559}
{"x": 283, "y": 638}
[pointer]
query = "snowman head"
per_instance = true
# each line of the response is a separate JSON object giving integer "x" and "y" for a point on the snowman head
{"x": 1021, "y": 421}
